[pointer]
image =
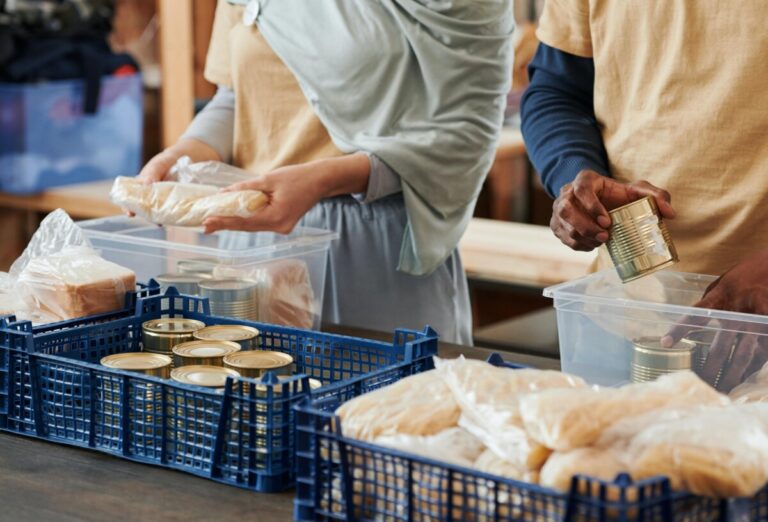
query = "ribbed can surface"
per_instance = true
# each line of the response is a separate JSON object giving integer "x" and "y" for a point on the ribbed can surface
{"x": 186, "y": 284}
{"x": 651, "y": 360}
{"x": 231, "y": 298}
{"x": 640, "y": 242}
{"x": 161, "y": 335}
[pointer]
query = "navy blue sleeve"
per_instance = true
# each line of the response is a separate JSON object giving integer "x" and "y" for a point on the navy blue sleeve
{"x": 558, "y": 118}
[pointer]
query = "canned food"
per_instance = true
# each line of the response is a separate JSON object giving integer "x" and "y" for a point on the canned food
{"x": 231, "y": 298}
{"x": 640, "y": 242}
{"x": 256, "y": 363}
{"x": 202, "y": 267}
{"x": 204, "y": 375}
{"x": 154, "y": 364}
{"x": 651, "y": 360}
{"x": 161, "y": 335}
{"x": 209, "y": 353}
{"x": 185, "y": 283}
{"x": 246, "y": 336}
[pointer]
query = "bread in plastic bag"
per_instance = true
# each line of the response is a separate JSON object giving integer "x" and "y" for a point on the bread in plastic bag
{"x": 489, "y": 462}
{"x": 183, "y": 204}
{"x": 453, "y": 445}
{"x": 420, "y": 404}
{"x": 600, "y": 463}
{"x": 285, "y": 294}
{"x": 59, "y": 276}
{"x": 565, "y": 419}
{"x": 489, "y": 400}
{"x": 718, "y": 452}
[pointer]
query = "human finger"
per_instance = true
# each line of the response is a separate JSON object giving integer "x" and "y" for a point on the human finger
{"x": 585, "y": 188}
{"x": 256, "y": 183}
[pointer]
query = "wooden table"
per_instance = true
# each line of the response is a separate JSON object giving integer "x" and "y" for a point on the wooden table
{"x": 46, "y": 482}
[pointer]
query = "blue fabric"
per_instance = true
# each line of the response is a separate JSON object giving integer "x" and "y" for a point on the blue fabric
{"x": 558, "y": 118}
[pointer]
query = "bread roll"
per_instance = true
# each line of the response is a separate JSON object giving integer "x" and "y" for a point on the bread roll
{"x": 489, "y": 400}
{"x": 566, "y": 419}
{"x": 183, "y": 204}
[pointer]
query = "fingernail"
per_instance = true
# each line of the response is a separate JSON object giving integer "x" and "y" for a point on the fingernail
{"x": 667, "y": 341}
{"x": 602, "y": 237}
{"x": 604, "y": 221}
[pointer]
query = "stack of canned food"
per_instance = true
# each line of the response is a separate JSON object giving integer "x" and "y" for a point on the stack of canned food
{"x": 650, "y": 359}
{"x": 188, "y": 351}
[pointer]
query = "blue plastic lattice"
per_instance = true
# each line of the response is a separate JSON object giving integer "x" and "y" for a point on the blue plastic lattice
{"x": 339, "y": 478}
{"x": 52, "y": 388}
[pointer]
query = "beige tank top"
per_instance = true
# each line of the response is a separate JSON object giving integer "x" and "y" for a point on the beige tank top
{"x": 275, "y": 125}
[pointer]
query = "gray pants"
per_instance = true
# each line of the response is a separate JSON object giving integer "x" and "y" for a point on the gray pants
{"x": 363, "y": 288}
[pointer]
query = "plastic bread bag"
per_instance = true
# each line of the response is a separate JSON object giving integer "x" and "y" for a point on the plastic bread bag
{"x": 754, "y": 389}
{"x": 599, "y": 463}
{"x": 417, "y": 405}
{"x": 59, "y": 276}
{"x": 565, "y": 419}
{"x": 285, "y": 291}
{"x": 489, "y": 462}
{"x": 183, "y": 204}
{"x": 717, "y": 452}
{"x": 453, "y": 445}
{"x": 213, "y": 173}
{"x": 489, "y": 400}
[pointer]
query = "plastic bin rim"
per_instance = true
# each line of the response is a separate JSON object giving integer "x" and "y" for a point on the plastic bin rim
{"x": 315, "y": 236}
{"x": 562, "y": 291}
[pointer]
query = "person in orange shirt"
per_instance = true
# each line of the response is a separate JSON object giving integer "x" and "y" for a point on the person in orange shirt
{"x": 665, "y": 100}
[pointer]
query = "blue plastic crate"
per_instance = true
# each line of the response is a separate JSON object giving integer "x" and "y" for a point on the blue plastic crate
{"x": 52, "y": 387}
{"x": 46, "y": 140}
{"x": 340, "y": 478}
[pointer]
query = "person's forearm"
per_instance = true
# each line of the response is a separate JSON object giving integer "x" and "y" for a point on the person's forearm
{"x": 215, "y": 124}
{"x": 558, "y": 119}
{"x": 196, "y": 150}
{"x": 343, "y": 175}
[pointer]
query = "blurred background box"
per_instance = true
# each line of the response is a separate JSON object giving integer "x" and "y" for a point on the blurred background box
{"x": 46, "y": 139}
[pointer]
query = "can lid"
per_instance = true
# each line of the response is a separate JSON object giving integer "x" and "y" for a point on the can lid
{"x": 258, "y": 360}
{"x": 172, "y": 325}
{"x": 227, "y": 332}
{"x": 653, "y": 344}
{"x": 205, "y": 348}
{"x": 202, "y": 264}
{"x": 136, "y": 361}
{"x": 203, "y": 375}
{"x": 226, "y": 284}
{"x": 648, "y": 353}
{"x": 641, "y": 207}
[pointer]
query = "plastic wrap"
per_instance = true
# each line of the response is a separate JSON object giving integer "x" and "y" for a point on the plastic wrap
{"x": 754, "y": 389}
{"x": 213, "y": 173}
{"x": 59, "y": 276}
{"x": 417, "y": 405}
{"x": 566, "y": 419}
{"x": 285, "y": 294}
{"x": 183, "y": 204}
{"x": 489, "y": 400}
{"x": 600, "y": 463}
{"x": 489, "y": 462}
{"x": 453, "y": 445}
{"x": 718, "y": 452}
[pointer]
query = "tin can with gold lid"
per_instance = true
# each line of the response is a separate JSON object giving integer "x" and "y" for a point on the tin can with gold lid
{"x": 161, "y": 335}
{"x": 231, "y": 298}
{"x": 154, "y": 364}
{"x": 246, "y": 336}
{"x": 639, "y": 242}
{"x": 651, "y": 360}
{"x": 256, "y": 363}
{"x": 186, "y": 284}
{"x": 203, "y": 375}
{"x": 209, "y": 353}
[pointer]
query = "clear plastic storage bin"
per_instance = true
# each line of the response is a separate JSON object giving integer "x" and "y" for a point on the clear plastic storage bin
{"x": 288, "y": 270}
{"x": 599, "y": 319}
{"x": 47, "y": 141}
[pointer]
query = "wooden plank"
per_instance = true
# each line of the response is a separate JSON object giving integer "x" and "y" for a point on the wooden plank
{"x": 85, "y": 201}
{"x": 520, "y": 254}
{"x": 177, "y": 67}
